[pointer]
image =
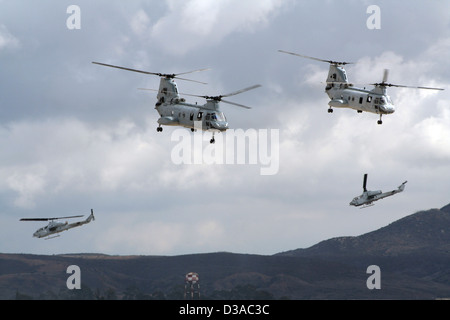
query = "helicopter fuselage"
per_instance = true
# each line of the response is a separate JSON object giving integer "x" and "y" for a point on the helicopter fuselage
{"x": 345, "y": 96}
{"x": 193, "y": 116}
{"x": 56, "y": 227}
{"x": 367, "y": 197}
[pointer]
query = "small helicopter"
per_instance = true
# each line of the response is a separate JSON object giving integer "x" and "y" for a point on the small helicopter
{"x": 368, "y": 197}
{"x": 55, "y": 227}
{"x": 174, "y": 111}
{"x": 344, "y": 95}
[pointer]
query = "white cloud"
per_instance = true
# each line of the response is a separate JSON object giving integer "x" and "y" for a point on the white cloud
{"x": 7, "y": 40}
{"x": 201, "y": 23}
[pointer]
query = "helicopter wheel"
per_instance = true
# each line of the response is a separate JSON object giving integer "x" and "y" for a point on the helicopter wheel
{"x": 330, "y": 110}
{"x": 159, "y": 129}
{"x": 212, "y": 141}
{"x": 379, "y": 121}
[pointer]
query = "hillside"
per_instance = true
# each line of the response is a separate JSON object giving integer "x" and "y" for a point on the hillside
{"x": 413, "y": 254}
{"x": 422, "y": 232}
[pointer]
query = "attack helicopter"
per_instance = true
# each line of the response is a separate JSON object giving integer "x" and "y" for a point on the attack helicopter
{"x": 174, "y": 111}
{"x": 367, "y": 198}
{"x": 55, "y": 227}
{"x": 344, "y": 95}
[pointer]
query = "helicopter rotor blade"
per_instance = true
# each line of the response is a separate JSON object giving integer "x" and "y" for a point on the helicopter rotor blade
{"x": 217, "y": 98}
{"x": 171, "y": 76}
{"x": 184, "y": 79}
{"x": 385, "y": 75}
{"x": 48, "y": 219}
{"x": 241, "y": 91}
{"x": 236, "y": 104}
{"x": 128, "y": 69}
{"x": 365, "y": 182}
{"x": 382, "y": 84}
{"x": 198, "y": 70}
{"x": 317, "y": 59}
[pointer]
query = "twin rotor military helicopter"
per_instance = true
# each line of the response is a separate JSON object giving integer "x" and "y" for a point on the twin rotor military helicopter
{"x": 344, "y": 94}
{"x": 174, "y": 111}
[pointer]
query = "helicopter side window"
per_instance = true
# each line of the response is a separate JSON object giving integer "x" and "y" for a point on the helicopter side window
{"x": 191, "y": 116}
{"x": 369, "y": 98}
{"x": 360, "y": 100}
{"x": 199, "y": 115}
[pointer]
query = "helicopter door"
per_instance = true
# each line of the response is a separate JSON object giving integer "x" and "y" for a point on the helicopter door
{"x": 207, "y": 120}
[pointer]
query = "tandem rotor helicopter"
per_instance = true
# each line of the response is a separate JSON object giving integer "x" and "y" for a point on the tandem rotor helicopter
{"x": 367, "y": 198}
{"x": 55, "y": 227}
{"x": 344, "y": 95}
{"x": 174, "y": 111}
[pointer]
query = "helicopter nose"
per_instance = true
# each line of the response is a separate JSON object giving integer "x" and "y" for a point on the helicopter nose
{"x": 220, "y": 125}
{"x": 387, "y": 108}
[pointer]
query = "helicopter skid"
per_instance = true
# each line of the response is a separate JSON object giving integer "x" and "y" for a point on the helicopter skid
{"x": 48, "y": 238}
{"x": 367, "y": 205}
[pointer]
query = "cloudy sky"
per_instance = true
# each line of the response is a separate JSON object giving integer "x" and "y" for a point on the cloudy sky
{"x": 77, "y": 136}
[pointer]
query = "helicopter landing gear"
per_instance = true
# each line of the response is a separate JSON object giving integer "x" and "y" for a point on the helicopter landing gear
{"x": 330, "y": 110}
{"x": 359, "y": 111}
{"x": 159, "y": 129}
{"x": 212, "y": 141}
{"x": 379, "y": 121}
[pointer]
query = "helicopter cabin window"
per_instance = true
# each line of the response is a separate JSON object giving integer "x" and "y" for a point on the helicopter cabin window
{"x": 360, "y": 100}
{"x": 369, "y": 98}
{"x": 208, "y": 116}
{"x": 199, "y": 115}
{"x": 191, "y": 116}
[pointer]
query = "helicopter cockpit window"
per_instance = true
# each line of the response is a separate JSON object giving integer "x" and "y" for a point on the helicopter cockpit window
{"x": 199, "y": 115}
{"x": 219, "y": 116}
{"x": 382, "y": 100}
